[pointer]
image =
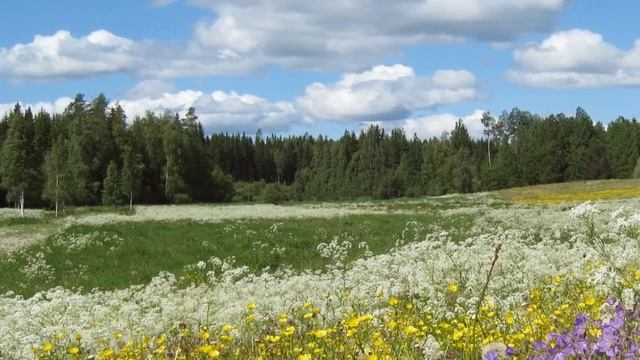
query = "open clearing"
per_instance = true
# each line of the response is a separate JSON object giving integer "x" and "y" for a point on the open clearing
{"x": 396, "y": 279}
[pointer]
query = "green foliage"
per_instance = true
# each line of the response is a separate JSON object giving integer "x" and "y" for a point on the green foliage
{"x": 132, "y": 170}
{"x": 181, "y": 198}
{"x": 54, "y": 171}
{"x": 165, "y": 158}
{"x": 76, "y": 174}
{"x": 248, "y": 191}
{"x": 14, "y": 158}
{"x": 636, "y": 170}
{"x": 273, "y": 194}
{"x": 112, "y": 191}
{"x": 222, "y": 186}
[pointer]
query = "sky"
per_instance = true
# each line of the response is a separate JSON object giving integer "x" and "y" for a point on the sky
{"x": 296, "y": 66}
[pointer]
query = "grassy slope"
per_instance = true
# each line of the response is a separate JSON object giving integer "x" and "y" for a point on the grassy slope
{"x": 572, "y": 192}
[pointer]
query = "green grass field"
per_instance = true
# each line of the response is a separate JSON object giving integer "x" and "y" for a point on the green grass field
{"x": 119, "y": 255}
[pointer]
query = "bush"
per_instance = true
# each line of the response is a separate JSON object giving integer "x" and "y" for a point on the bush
{"x": 181, "y": 198}
{"x": 248, "y": 191}
{"x": 273, "y": 194}
{"x": 222, "y": 186}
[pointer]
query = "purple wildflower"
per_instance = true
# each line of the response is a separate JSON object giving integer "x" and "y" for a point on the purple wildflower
{"x": 492, "y": 355}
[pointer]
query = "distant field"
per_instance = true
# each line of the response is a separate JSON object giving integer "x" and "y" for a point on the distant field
{"x": 572, "y": 192}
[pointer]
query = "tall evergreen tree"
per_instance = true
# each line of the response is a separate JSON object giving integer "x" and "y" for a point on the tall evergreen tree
{"x": 14, "y": 167}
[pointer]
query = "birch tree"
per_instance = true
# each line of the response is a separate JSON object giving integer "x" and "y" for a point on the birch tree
{"x": 132, "y": 170}
{"x": 54, "y": 168}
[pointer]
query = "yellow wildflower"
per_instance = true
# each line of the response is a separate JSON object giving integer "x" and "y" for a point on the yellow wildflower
{"x": 320, "y": 333}
{"x": 289, "y": 331}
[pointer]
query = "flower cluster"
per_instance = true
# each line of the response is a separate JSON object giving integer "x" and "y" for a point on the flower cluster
{"x": 546, "y": 326}
{"x": 614, "y": 335}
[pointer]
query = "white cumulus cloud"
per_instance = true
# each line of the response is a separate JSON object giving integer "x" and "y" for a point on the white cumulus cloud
{"x": 54, "y": 107}
{"x": 219, "y": 111}
{"x": 385, "y": 93}
{"x": 434, "y": 125}
{"x": 63, "y": 55}
{"x": 576, "y": 58}
{"x": 352, "y": 34}
{"x": 240, "y": 37}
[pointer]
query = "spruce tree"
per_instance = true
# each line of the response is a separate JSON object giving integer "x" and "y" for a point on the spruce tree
{"x": 14, "y": 167}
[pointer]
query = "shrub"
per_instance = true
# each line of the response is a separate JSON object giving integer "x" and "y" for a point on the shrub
{"x": 181, "y": 198}
{"x": 248, "y": 191}
{"x": 273, "y": 194}
{"x": 222, "y": 186}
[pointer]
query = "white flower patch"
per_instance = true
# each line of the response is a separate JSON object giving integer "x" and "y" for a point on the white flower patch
{"x": 533, "y": 247}
{"x": 218, "y": 213}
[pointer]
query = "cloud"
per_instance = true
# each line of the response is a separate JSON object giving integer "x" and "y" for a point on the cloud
{"x": 162, "y": 2}
{"x": 245, "y": 36}
{"x": 54, "y": 107}
{"x": 149, "y": 88}
{"x": 353, "y": 34}
{"x": 434, "y": 125}
{"x": 385, "y": 93}
{"x": 61, "y": 56}
{"x": 576, "y": 59}
{"x": 219, "y": 111}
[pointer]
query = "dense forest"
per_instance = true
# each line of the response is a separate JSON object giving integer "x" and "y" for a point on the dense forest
{"x": 90, "y": 155}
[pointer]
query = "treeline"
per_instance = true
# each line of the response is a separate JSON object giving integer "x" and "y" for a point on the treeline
{"x": 90, "y": 155}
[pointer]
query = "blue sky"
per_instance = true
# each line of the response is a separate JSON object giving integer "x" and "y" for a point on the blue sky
{"x": 299, "y": 66}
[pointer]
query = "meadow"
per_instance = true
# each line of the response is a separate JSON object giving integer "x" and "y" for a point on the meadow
{"x": 543, "y": 273}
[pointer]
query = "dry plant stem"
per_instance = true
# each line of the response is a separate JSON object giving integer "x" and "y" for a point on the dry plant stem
{"x": 484, "y": 291}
